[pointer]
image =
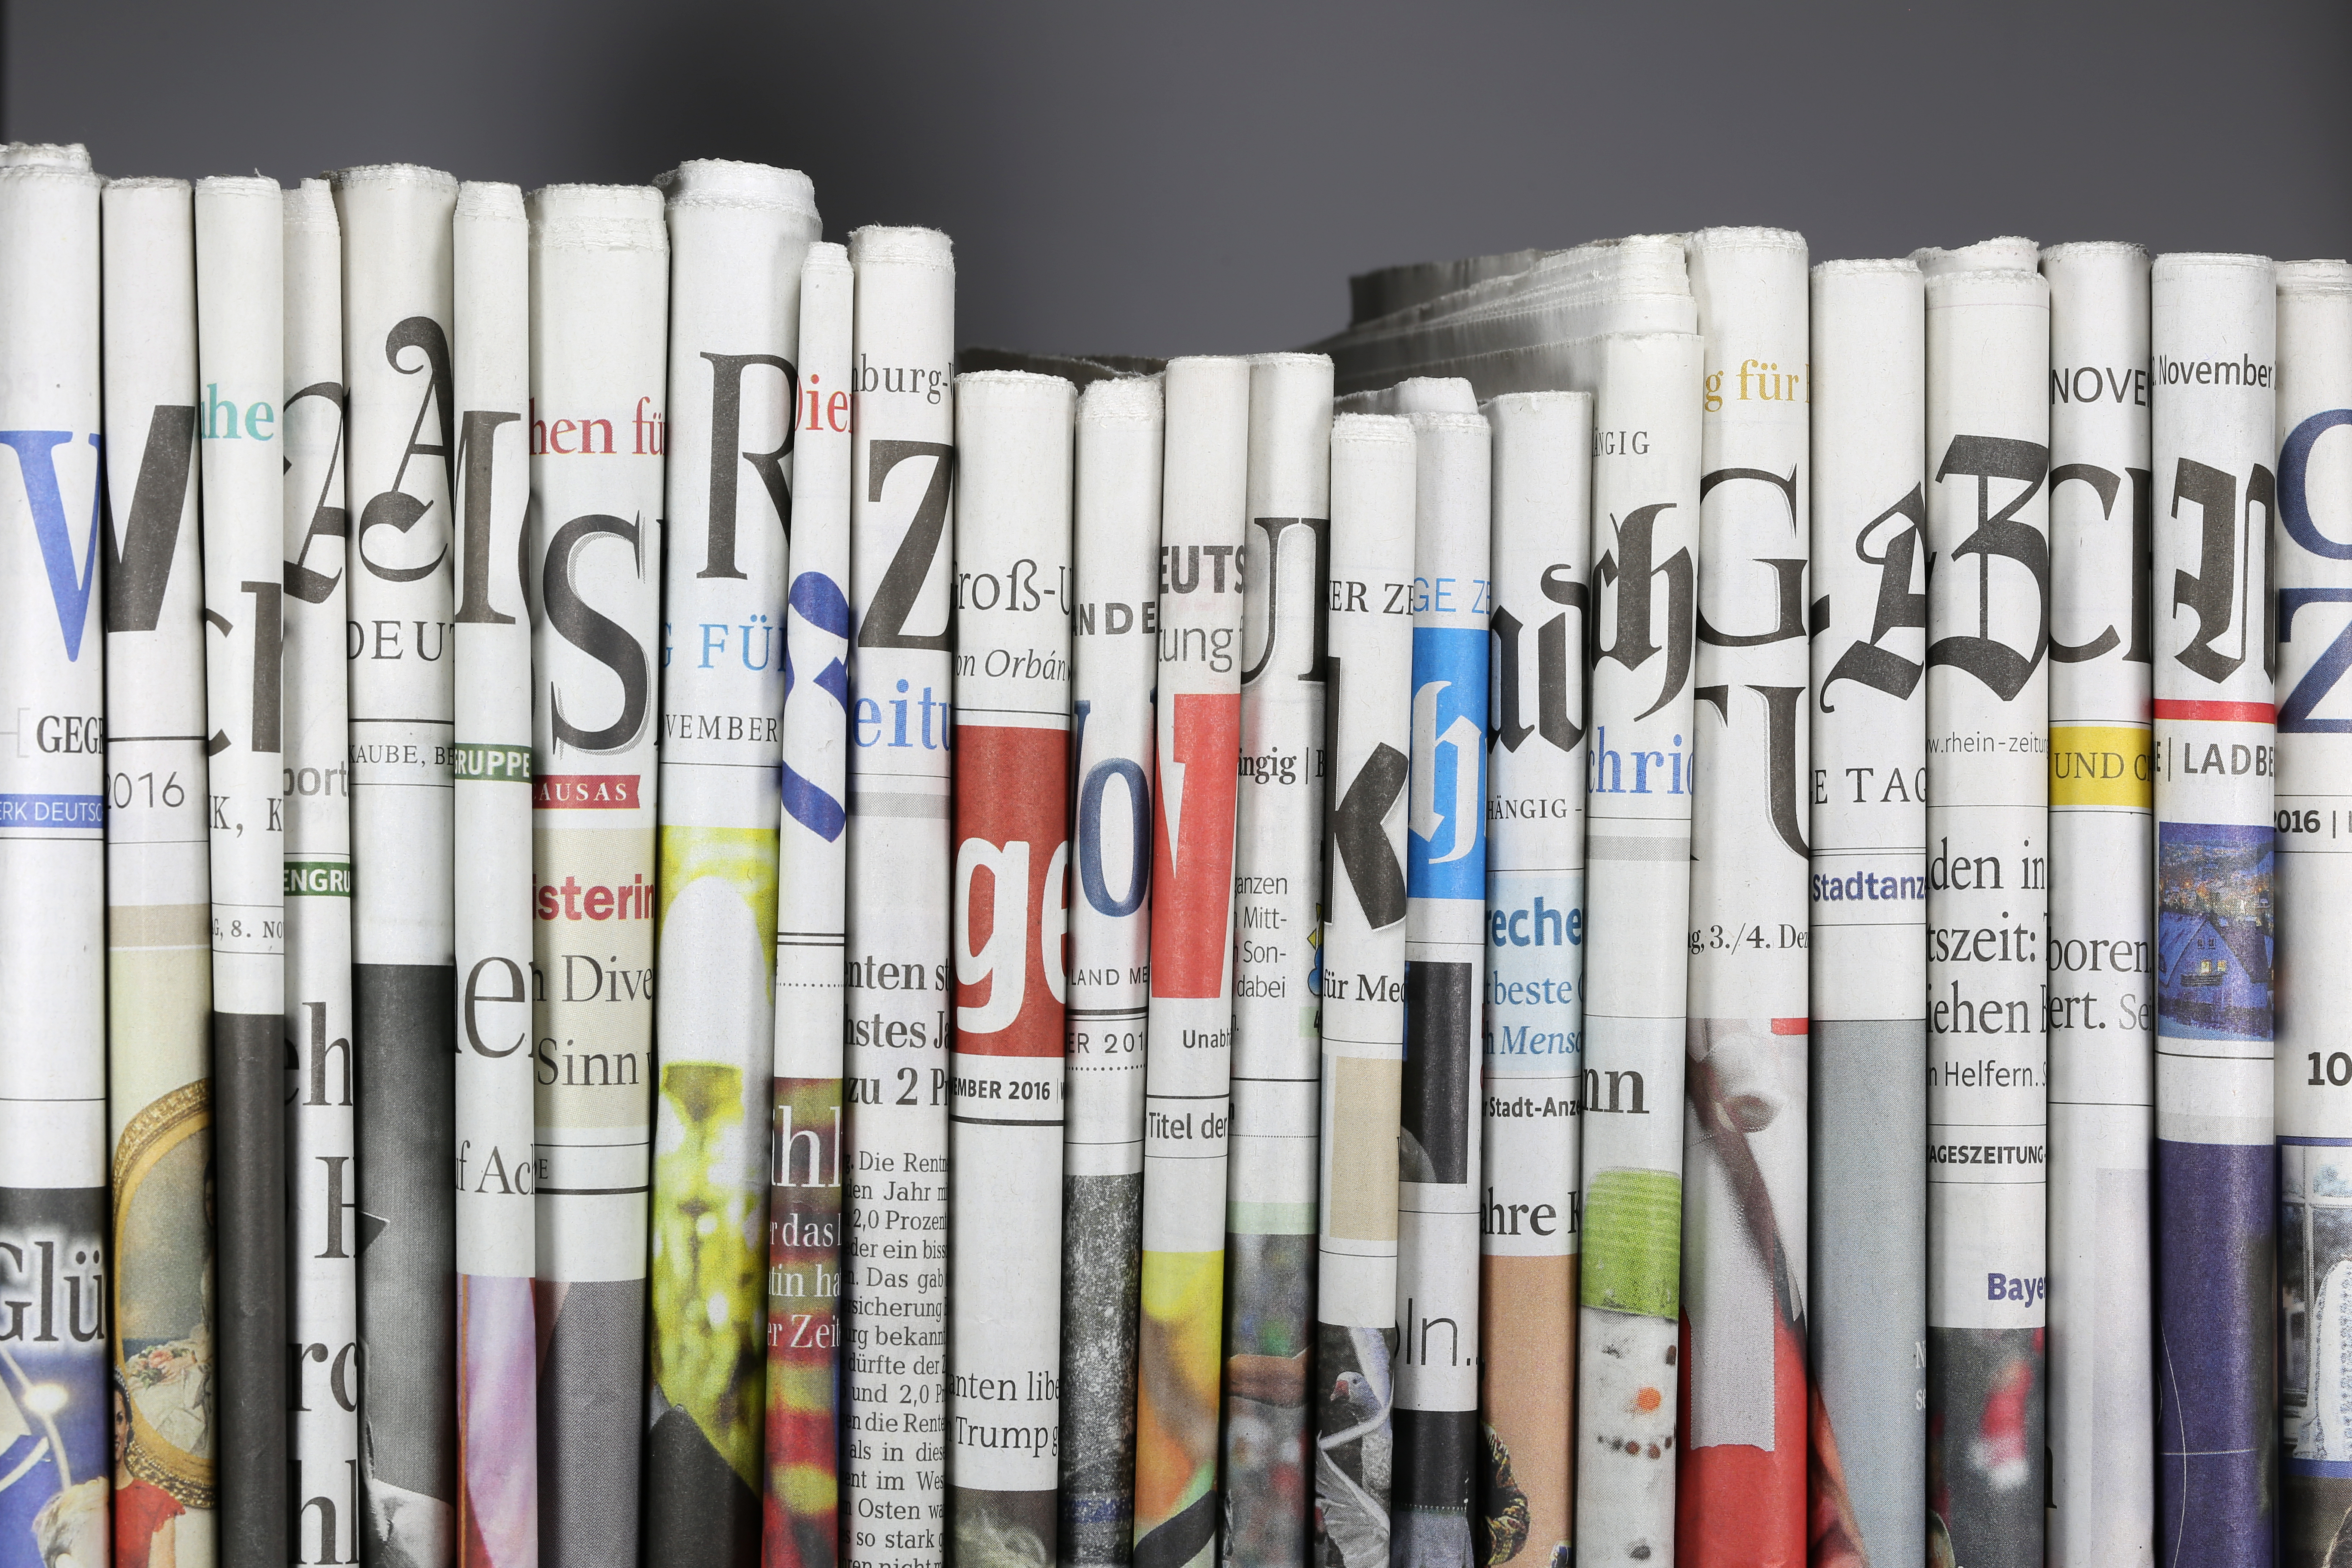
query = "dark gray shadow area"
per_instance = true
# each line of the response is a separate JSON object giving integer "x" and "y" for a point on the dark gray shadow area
{"x": 1204, "y": 176}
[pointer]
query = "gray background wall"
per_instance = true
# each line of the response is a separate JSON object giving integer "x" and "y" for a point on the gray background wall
{"x": 1200, "y": 176}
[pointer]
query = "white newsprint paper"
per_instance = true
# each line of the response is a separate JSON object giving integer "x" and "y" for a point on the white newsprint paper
{"x": 1115, "y": 639}
{"x": 2102, "y": 865}
{"x": 496, "y": 1081}
{"x": 398, "y": 597}
{"x": 599, "y": 310}
{"x": 2212, "y": 336}
{"x": 1745, "y": 1220}
{"x": 1368, "y": 687}
{"x": 1988, "y": 902}
{"x": 1534, "y": 999}
{"x": 321, "y": 1166}
{"x": 1645, "y": 567}
{"x": 1867, "y": 1303}
{"x": 739, "y": 234}
{"x": 902, "y": 687}
{"x": 1187, "y": 1092}
{"x": 1278, "y": 887}
{"x": 240, "y": 362}
{"x": 2311, "y": 551}
{"x": 158, "y": 851}
{"x": 1012, "y": 564}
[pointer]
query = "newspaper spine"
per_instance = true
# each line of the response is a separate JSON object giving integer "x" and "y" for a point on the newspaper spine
{"x": 53, "y": 1109}
{"x": 804, "y": 1258}
{"x": 1742, "y": 1483}
{"x": 1012, "y": 827}
{"x": 1867, "y": 1305}
{"x": 396, "y": 303}
{"x": 2213, "y": 320}
{"x": 321, "y": 1164}
{"x": 1535, "y": 951}
{"x": 902, "y": 529}
{"x": 739, "y": 233}
{"x": 2315, "y": 822}
{"x": 1115, "y": 638}
{"x": 1646, "y": 518}
{"x": 2102, "y": 858}
{"x": 1187, "y": 1106}
{"x": 159, "y": 963}
{"x": 240, "y": 360}
{"x": 599, "y": 296}
{"x": 1988, "y": 787}
{"x": 1439, "y": 1450}
{"x": 497, "y": 1089}
{"x": 1277, "y": 884}
{"x": 1369, "y": 716}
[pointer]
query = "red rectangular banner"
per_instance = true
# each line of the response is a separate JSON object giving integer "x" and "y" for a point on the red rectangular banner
{"x": 584, "y": 792}
{"x": 1012, "y": 854}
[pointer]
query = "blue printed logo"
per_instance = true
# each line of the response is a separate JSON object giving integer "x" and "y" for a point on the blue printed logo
{"x": 1446, "y": 853}
{"x": 53, "y": 811}
{"x": 816, "y": 600}
{"x": 36, "y": 460}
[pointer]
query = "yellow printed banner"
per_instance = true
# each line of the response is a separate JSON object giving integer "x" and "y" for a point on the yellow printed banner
{"x": 2101, "y": 764}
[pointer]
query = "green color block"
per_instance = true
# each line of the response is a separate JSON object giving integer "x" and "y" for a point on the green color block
{"x": 1632, "y": 1243}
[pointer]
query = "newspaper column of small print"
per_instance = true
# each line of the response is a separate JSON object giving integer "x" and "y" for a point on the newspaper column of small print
{"x": 1742, "y": 1489}
{"x": 158, "y": 920}
{"x": 1988, "y": 880}
{"x": 1535, "y": 968}
{"x": 1866, "y": 1306}
{"x": 2312, "y": 550}
{"x": 739, "y": 233}
{"x": 319, "y": 1072}
{"x": 2213, "y": 330}
{"x": 804, "y": 1256}
{"x": 1187, "y": 1096}
{"x": 497, "y": 1089}
{"x": 1012, "y": 860}
{"x": 53, "y": 1108}
{"x": 599, "y": 304}
{"x": 1437, "y": 1454}
{"x": 1646, "y": 522}
{"x": 240, "y": 362}
{"x": 1277, "y": 937}
{"x": 397, "y": 594}
{"x": 1114, "y": 637}
{"x": 2102, "y": 1417}
{"x": 1368, "y": 716}
{"x": 893, "y": 1481}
